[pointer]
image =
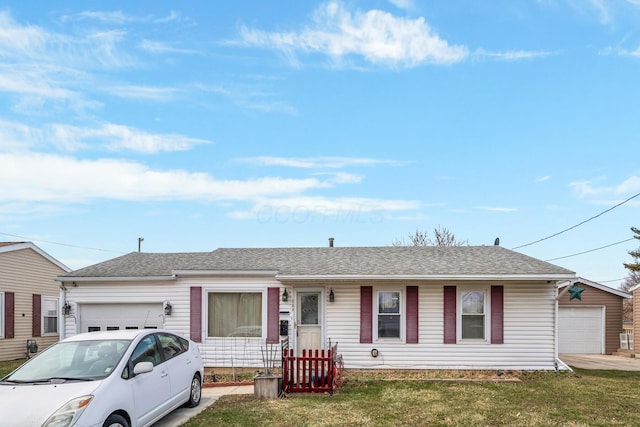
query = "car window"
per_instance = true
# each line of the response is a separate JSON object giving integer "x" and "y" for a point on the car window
{"x": 146, "y": 351}
{"x": 171, "y": 345}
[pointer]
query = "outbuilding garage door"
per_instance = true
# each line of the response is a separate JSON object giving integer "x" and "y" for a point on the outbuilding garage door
{"x": 580, "y": 330}
{"x": 102, "y": 317}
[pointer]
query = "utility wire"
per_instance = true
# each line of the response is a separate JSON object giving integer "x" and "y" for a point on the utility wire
{"x": 590, "y": 250}
{"x": 58, "y": 243}
{"x": 579, "y": 224}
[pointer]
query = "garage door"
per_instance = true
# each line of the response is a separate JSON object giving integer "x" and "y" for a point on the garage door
{"x": 580, "y": 330}
{"x": 102, "y": 317}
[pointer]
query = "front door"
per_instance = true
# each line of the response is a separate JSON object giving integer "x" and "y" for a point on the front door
{"x": 308, "y": 321}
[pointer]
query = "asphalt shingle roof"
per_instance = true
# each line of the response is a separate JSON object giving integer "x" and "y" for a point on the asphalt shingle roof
{"x": 332, "y": 261}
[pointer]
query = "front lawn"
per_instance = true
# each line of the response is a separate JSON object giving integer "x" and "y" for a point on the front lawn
{"x": 9, "y": 366}
{"x": 583, "y": 398}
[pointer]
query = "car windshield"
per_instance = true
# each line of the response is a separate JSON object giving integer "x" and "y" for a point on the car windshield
{"x": 72, "y": 360}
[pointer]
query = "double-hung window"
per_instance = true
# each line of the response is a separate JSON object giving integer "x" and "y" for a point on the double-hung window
{"x": 389, "y": 314}
{"x": 235, "y": 314}
{"x": 49, "y": 315}
{"x": 473, "y": 322}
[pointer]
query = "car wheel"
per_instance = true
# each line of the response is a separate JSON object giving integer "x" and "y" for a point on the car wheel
{"x": 196, "y": 392}
{"x": 116, "y": 420}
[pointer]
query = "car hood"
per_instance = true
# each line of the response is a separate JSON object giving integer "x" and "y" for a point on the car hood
{"x": 31, "y": 404}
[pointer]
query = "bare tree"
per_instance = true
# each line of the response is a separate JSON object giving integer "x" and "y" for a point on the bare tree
{"x": 441, "y": 237}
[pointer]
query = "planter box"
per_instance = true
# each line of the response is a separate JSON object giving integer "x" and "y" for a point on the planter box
{"x": 267, "y": 386}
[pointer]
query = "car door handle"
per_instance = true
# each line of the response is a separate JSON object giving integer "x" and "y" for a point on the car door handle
{"x": 163, "y": 374}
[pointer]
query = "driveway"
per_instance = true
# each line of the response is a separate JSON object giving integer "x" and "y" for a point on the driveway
{"x": 601, "y": 361}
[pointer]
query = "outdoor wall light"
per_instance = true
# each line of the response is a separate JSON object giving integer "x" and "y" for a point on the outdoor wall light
{"x": 374, "y": 352}
{"x": 285, "y": 295}
{"x": 167, "y": 308}
{"x": 332, "y": 297}
{"x": 66, "y": 309}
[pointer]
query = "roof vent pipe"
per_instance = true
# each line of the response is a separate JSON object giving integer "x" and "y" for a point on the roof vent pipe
{"x": 497, "y": 242}
{"x": 330, "y": 242}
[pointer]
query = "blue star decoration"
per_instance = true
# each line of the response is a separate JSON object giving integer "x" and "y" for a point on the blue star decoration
{"x": 575, "y": 292}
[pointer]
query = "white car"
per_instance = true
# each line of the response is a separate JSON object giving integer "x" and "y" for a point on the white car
{"x": 125, "y": 378}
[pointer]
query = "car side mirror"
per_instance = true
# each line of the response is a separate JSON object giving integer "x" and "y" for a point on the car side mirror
{"x": 142, "y": 368}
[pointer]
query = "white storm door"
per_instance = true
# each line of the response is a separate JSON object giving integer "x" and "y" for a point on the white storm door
{"x": 308, "y": 321}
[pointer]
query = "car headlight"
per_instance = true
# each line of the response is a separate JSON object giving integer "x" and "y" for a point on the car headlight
{"x": 69, "y": 413}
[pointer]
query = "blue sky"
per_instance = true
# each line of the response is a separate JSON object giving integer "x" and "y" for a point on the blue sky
{"x": 199, "y": 125}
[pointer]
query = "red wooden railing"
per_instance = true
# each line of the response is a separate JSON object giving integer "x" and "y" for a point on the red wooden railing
{"x": 314, "y": 371}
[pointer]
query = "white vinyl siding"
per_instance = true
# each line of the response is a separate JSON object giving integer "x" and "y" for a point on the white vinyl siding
{"x": 529, "y": 313}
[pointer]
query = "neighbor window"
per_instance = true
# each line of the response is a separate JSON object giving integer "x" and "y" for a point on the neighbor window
{"x": 473, "y": 315}
{"x": 234, "y": 314}
{"x": 49, "y": 315}
{"x": 389, "y": 314}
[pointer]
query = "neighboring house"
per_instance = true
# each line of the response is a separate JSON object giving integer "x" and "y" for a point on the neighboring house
{"x": 591, "y": 324}
{"x": 465, "y": 307}
{"x": 29, "y": 298}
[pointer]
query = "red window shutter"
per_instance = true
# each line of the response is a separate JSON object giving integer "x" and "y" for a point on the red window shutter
{"x": 450, "y": 314}
{"x": 36, "y": 316}
{"x": 273, "y": 315}
{"x": 195, "y": 308}
{"x": 366, "y": 314}
{"x": 497, "y": 315}
{"x": 9, "y": 314}
{"x": 412, "y": 315}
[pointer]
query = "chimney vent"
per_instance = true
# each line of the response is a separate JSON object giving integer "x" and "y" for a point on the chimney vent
{"x": 330, "y": 242}
{"x": 496, "y": 242}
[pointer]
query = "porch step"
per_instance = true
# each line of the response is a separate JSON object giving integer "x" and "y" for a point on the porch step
{"x": 624, "y": 353}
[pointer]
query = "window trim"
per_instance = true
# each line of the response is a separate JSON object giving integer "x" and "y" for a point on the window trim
{"x": 264, "y": 317}
{"x": 401, "y": 314}
{"x": 486, "y": 290}
{"x": 56, "y": 300}
{"x": 2, "y": 313}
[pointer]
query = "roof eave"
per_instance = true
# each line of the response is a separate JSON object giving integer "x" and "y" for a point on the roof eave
{"x": 405, "y": 277}
{"x": 199, "y": 273}
{"x": 68, "y": 279}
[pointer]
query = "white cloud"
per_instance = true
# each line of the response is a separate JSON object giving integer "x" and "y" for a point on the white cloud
{"x": 119, "y": 137}
{"x": 114, "y": 17}
{"x": 302, "y": 208}
{"x": 38, "y": 177}
{"x": 17, "y": 137}
{"x": 496, "y": 209}
{"x": 514, "y": 55}
{"x": 147, "y": 93}
{"x": 323, "y": 162}
{"x": 377, "y": 36}
{"x": 402, "y": 4}
{"x": 543, "y": 178}
{"x": 157, "y": 47}
{"x": 588, "y": 189}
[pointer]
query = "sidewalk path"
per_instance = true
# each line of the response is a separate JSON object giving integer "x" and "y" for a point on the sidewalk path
{"x": 209, "y": 396}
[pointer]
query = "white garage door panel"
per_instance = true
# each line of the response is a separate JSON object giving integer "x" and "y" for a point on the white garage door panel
{"x": 120, "y": 316}
{"x": 580, "y": 330}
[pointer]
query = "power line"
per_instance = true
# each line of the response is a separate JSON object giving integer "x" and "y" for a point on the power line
{"x": 579, "y": 224}
{"x": 614, "y": 280}
{"x": 58, "y": 243}
{"x": 590, "y": 250}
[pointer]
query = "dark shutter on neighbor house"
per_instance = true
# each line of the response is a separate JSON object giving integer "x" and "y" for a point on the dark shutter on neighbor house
{"x": 36, "y": 319}
{"x": 195, "y": 309}
{"x": 497, "y": 315}
{"x": 412, "y": 315}
{"x": 273, "y": 315}
{"x": 366, "y": 315}
{"x": 449, "y": 314}
{"x": 9, "y": 314}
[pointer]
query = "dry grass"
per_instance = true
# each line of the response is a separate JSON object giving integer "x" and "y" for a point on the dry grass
{"x": 400, "y": 398}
